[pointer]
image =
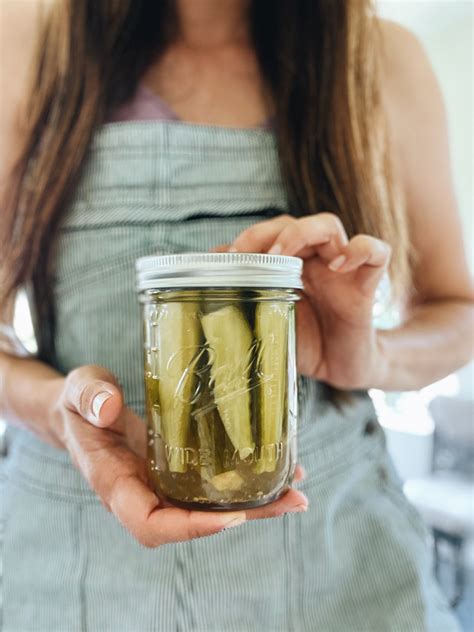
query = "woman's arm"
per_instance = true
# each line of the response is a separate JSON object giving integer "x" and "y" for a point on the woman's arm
{"x": 19, "y": 25}
{"x": 28, "y": 390}
{"x": 336, "y": 340}
{"x": 437, "y": 335}
{"x": 24, "y": 382}
{"x": 435, "y": 341}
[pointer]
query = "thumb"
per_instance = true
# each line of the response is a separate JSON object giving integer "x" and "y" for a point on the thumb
{"x": 94, "y": 393}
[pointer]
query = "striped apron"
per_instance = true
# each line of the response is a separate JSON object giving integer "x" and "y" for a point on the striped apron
{"x": 357, "y": 560}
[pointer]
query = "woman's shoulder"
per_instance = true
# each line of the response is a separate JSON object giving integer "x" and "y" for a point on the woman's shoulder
{"x": 404, "y": 62}
{"x": 20, "y": 24}
{"x": 410, "y": 92}
{"x": 406, "y": 72}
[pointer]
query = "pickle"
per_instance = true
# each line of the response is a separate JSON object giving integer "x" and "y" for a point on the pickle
{"x": 211, "y": 436}
{"x": 177, "y": 343}
{"x": 152, "y": 403}
{"x": 271, "y": 328}
{"x": 227, "y": 481}
{"x": 230, "y": 349}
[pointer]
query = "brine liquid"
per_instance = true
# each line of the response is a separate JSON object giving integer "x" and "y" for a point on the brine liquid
{"x": 221, "y": 398}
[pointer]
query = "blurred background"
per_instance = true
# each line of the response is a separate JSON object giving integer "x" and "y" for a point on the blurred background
{"x": 430, "y": 434}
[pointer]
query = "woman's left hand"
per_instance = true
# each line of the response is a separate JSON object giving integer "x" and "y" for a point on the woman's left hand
{"x": 336, "y": 341}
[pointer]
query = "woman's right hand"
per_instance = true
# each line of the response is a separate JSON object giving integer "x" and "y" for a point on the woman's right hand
{"x": 107, "y": 443}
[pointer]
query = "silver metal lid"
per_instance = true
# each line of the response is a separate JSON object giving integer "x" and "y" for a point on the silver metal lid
{"x": 219, "y": 270}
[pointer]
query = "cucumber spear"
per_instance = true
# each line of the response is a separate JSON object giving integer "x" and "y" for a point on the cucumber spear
{"x": 229, "y": 337}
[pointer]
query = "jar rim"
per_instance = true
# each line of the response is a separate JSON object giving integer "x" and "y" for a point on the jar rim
{"x": 230, "y": 269}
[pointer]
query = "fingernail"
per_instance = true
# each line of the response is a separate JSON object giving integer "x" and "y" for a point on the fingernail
{"x": 98, "y": 401}
{"x": 232, "y": 249}
{"x": 300, "y": 508}
{"x": 337, "y": 263}
{"x": 301, "y": 498}
{"x": 302, "y": 474}
{"x": 234, "y": 521}
{"x": 275, "y": 249}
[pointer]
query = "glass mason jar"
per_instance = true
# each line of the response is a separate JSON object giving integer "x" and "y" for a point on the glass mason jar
{"x": 220, "y": 376}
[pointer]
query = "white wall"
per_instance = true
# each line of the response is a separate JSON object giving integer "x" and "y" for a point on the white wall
{"x": 445, "y": 27}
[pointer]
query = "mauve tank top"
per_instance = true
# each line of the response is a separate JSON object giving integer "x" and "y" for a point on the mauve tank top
{"x": 145, "y": 105}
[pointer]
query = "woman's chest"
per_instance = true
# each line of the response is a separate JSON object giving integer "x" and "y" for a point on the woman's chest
{"x": 219, "y": 87}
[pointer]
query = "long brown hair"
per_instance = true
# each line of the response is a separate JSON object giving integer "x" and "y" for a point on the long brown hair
{"x": 318, "y": 60}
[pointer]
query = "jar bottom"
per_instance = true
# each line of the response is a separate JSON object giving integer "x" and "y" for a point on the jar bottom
{"x": 250, "y": 504}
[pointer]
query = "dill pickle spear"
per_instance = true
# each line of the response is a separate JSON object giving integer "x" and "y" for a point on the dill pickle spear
{"x": 271, "y": 329}
{"x": 227, "y": 481}
{"x": 178, "y": 338}
{"x": 210, "y": 440}
{"x": 229, "y": 337}
{"x": 153, "y": 403}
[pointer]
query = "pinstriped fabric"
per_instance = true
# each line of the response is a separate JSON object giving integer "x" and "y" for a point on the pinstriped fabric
{"x": 356, "y": 561}
{"x": 180, "y": 171}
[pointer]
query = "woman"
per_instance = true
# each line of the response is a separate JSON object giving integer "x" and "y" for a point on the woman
{"x": 307, "y": 128}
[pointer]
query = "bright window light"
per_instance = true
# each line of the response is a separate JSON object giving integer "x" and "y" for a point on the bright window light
{"x": 406, "y": 412}
{"x": 23, "y": 324}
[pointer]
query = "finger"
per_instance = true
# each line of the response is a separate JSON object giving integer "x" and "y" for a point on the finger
{"x": 220, "y": 248}
{"x": 93, "y": 392}
{"x": 259, "y": 237}
{"x": 135, "y": 431}
{"x": 138, "y": 509}
{"x": 300, "y": 474}
{"x": 293, "y": 501}
{"x": 362, "y": 250}
{"x": 321, "y": 234}
{"x": 368, "y": 256}
{"x": 173, "y": 524}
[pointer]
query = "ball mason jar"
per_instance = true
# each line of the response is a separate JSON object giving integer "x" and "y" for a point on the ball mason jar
{"x": 220, "y": 376}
